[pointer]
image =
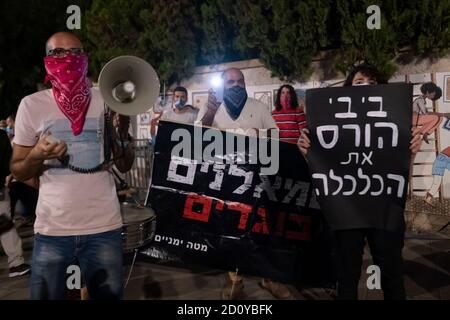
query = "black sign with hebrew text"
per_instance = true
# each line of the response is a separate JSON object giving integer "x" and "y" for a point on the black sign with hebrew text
{"x": 232, "y": 216}
{"x": 359, "y": 156}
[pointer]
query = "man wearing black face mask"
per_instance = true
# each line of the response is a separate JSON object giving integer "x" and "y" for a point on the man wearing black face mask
{"x": 179, "y": 110}
{"x": 237, "y": 111}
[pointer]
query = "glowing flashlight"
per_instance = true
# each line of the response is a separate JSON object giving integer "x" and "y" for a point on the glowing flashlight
{"x": 216, "y": 81}
{"x": 217, "y": 84}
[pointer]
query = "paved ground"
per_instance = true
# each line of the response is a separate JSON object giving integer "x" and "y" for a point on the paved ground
{"x": 427, "y": 276}
{"x": 423, "y": 217}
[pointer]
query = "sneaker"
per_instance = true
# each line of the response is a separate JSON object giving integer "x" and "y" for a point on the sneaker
{"x": 20, "y": 270}
{"x": 278, "y": 290}
{"x": 232, "y": 289}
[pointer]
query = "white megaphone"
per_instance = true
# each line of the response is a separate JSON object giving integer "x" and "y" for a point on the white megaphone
{"x": 129, "y": 85}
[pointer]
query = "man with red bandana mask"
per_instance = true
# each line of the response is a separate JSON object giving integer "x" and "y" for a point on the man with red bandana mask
{"x": 62, "y": 139}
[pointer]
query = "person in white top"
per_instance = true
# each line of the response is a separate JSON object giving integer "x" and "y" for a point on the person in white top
{"x": 9, "y": 238}
{"x": 62, "y": 139}
{"x": 180, "y": 111}
{"x": 177, "y": 111}
{"x": 237, "y": 111}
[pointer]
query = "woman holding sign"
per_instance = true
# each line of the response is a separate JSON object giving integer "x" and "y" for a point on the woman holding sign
{"x": 385, "y": 245}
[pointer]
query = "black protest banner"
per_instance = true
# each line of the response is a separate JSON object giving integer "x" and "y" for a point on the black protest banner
{"x": 359, "y": 156}
{"x": 255, "y": 216}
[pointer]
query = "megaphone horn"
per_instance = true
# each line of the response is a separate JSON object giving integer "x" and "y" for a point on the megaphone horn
{"x": 129, "y": 85}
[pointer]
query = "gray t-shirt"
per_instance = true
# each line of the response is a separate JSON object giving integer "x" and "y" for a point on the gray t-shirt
{"x": 188, "y": 115}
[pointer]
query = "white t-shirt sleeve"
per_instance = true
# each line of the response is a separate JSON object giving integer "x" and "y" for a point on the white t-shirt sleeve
{"x": 25, "y": 127}
{"x": 268, "y": 122}
{"x": 201, "y": 113}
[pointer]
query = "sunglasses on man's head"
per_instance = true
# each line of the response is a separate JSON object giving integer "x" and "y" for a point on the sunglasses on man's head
{"x": 61, "y": 52}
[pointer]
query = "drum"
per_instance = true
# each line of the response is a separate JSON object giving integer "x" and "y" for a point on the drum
{"x": 139, "y": 225}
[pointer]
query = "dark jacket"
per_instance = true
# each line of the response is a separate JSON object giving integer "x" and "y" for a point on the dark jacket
{"x": 5, "y": 156}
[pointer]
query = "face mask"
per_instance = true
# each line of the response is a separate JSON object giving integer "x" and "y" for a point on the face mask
{"x": 179, "y": 104}
{"x": 234, "y": 99}
{"x": 71, "y": 88}
{"x": 361, "y": 84}
{"x": 9, "y": 130}
{"x": 286, "y": 102}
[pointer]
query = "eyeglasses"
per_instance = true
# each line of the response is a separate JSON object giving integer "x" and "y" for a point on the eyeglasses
{"x": 61, "y": 52}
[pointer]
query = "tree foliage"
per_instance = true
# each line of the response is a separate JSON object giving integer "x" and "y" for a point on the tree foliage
{"x": 112, "y": 28}
{"x": 286, "y": 35}
{"x": 292, "y": 35}
{"x": 161, "y": 32}
{"x": 24, "y": 29}
{"x": 169, "y": 38}
{"x": 217, "y": 33}
{"x": 420, "y": 25}
{"x": 360, "y": 44}
{"x": 177, "y": 35}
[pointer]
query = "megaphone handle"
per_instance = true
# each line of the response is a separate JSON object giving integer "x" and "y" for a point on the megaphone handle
{"x": 108, "y": 138}
{"x": 113, "y": 138}
{"x": 122, "y": 182}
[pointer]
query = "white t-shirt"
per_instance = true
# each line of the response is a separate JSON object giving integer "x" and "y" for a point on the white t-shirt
{"x": 254, "y": 115}
{"x": 70, "y": 203}
{"x": 187, "y": 116}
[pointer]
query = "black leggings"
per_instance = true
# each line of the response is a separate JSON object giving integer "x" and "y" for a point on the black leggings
{"x": 386, "y": 249}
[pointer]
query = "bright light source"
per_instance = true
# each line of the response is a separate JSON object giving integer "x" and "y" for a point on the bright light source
{"x": 129, "y": 87}
{"x": 216, "y": 81}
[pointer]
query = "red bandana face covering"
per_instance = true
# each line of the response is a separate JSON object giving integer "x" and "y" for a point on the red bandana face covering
{"x": 71, "y": 88}
{"x": 285, "y": 102}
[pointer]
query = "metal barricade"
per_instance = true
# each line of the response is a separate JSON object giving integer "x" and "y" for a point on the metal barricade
{"x": 138, "y": 177}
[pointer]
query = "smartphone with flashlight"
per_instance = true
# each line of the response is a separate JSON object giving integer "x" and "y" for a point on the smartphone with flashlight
{"x": 217, "y": 88}
{"x": 218, "y": 92}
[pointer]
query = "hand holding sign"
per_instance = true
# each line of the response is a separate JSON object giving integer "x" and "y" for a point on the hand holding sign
{"x": 154, "y": 122}
{"x": 304, "y": 143}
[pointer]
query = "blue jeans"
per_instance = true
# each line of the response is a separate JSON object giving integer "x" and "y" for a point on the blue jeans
{"x": 441, "y": 163}
{"x": 100, "y": 260}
